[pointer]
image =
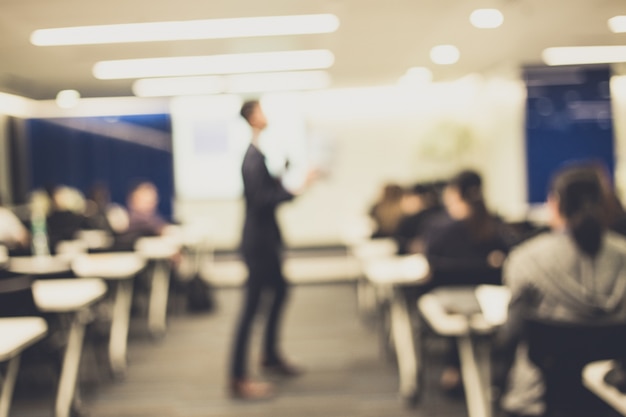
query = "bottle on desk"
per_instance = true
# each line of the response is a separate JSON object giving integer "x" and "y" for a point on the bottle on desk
{"x": 39, "y": 233}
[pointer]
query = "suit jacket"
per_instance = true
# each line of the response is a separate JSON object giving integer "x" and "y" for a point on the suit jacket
{"x": 263, "y": 193}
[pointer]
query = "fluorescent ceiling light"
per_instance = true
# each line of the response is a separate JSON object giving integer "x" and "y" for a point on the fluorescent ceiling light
{"x": 185, "y": 30}
{"x": 444, "y": 54}
{"x": 240, "y": 83}
{"x": 214, "y": 64}
{"x": 486, "y": 18}
{"x": 617, "y": 24}
{"x": 416, "y": 76}
{"x": 66, "y": 99}
{"x": 576, "y": 55}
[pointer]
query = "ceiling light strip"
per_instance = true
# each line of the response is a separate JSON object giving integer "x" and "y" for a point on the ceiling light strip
{"x": 578, "y": 55}
{"x": 240, "y": 83}
{"x": 617, "y": 24}
{"x": 186, "y": 30}
{"x": 214, "y": 64}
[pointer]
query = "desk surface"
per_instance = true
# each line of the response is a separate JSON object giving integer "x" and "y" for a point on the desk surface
{"x": 375, "y": 248}
{"x": 397, "y": 270}
{"x": 158, "y": 247}
{"x": 493, "y": 301}
{"x": 113, "y": 265}
{"x": 67, "y": 295}
{"x": 593, "y": 379}
{"x": 17, "y": 333}
{"x": 39, "y": 265}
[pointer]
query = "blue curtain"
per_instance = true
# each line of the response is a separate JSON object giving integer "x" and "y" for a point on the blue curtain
{"x": 61, "y": 154}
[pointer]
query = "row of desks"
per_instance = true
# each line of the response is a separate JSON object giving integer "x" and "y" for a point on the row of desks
{"x": 99, "y": 274}
{"x": 62, "y": 296}
{"x": 388, "y": 277}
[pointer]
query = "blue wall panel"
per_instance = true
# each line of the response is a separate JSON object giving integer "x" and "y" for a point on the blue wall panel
{"x": 80, "y": 158}
{"x": 568, "y": 118}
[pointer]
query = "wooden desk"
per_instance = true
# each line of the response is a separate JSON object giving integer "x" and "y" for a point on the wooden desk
{"x": 119, "y": 270}
{"x": 389, "y": 277}
{"x": 160, "y": 251}
{"x": 593, "y": 379}
{"x": 73, "y": 297}
{"x": 16, "y": 334}
{"x": 474, "y": 355}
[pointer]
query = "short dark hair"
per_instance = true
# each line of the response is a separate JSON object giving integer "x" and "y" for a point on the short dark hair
{"x": 247, "y": 108}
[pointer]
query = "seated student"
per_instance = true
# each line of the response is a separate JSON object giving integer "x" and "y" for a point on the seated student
{"x": 66, "y": 216}
{"x": 466, "y": 248}
{"x": 13, "y": 234}
{"x": 576, "y": 272}
{"x": 143, "y": 217}
{"x": 420, "y": 204}
{"x": 387, "y": 211}
{"x": 470, "y": 245}
{"x": 99, "y": 210}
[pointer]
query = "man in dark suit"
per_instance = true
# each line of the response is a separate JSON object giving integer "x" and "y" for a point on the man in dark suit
{"x": 261, "y": 247}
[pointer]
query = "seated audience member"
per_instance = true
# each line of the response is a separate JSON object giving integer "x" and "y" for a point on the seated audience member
{"x": 66, "y": 216}
{"x": 467, "y": 248}
{"x": 98, "y": 209}
{"x": 576, "y": 272}
{"x": 143, "y": 217}
{"x": 387, "y": 211}
{"x": 13, "y": 233}
{"x": 419, "y": 205}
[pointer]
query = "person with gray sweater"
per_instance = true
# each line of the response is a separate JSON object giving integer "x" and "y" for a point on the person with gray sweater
{"x": 575, "y": 273}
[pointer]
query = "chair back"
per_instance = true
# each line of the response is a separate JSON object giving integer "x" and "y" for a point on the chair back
{"x": 561, "y": 350}
{"x": 16, "y": 295}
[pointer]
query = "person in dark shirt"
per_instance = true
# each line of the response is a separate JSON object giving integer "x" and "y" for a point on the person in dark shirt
{"x": 421, "y": 203}
{"x": 143, "y": 218}
{"x": 66, "y": 216}
{"x": 466, "y": 248}
{"x": 261, "y": 247}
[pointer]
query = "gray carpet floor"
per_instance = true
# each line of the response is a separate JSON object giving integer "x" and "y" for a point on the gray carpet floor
{"x": 184, "y": 373}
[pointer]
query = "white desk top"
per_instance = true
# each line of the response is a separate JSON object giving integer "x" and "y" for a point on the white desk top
{"x": 189, "y": 235}
{"x": 493, "y": 301}
{"x": 95, "y": 239}
{"x": 67, "y": 295}
{"x": 375, "y": 248}
{"x": 17, "y": 333}
{"x": 158, "y": 247}
{"x": 39, "y": 265}
{"x": 113, "y": 265}
{"x": 593, "y": 379}
{"x": 397, "y": 270}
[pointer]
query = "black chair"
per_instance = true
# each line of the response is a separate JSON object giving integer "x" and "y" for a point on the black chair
{"x": 16, "y": 295}
{"x": 561, "y": 350}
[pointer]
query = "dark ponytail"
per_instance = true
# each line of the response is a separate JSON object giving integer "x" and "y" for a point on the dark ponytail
{"x": 582, "y": 203}
{"x": 481, "y": 223}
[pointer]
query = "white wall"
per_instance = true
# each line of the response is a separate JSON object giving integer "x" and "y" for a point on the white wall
{"x": 395, "y": 134}
{"x": 378, "y": 135}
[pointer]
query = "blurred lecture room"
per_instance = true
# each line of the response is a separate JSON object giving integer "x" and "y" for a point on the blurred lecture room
{"x": 330, "y": 208}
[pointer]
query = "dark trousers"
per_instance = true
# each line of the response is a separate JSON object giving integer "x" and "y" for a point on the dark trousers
{"x": 264, "y": 278}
